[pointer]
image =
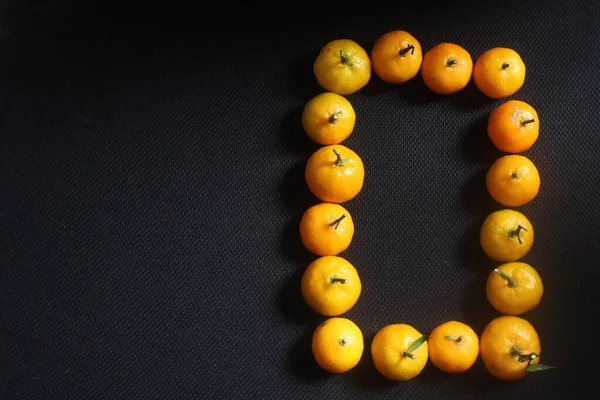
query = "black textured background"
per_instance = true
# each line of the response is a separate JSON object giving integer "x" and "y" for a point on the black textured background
{"x": 151, "y": 184}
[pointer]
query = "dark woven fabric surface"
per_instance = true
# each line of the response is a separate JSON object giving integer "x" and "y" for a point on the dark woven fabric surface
{"x": 151, "y": 186}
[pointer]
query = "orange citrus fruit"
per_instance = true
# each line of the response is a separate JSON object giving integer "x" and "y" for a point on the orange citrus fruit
{"x": 513, "y": 180}
{"x": 453, "y": 346}
{"x": 328, "y": 118}
{"x": 337, "y": 345}
{"x": 446, "y": 68}
{"x": 330, "y": 285}
{"x": 514, "y": 288}
{"x": 396, "y": 56}
{"x": 342, "y": 66}
{"x": 508, "y": 345}
{"x": 506, "y": 235}
{"x": 334, "y": 173}
{"x": 399, "y": 352}
{"x": 514, "y": 126}
{"x": 499, "y": 72}
{"x": 326, "y": 229}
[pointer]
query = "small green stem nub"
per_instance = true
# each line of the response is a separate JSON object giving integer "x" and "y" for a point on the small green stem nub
{"x": 342, "y": 342}
{"x": 411, "y": 48}
{"x": 514, "y": 175}
{"x": 339, "y": 162}
{"x": 527, "y": 357}
{"x": 345, "y": 59}
{"x": 527, "y": 121}
{"x": 340, "y": 280}
{"x": 503, "y": 275}
{"x": 334, "y": 117}
{"x": 456, "y": 339}
{"x": 517, "y": 233}
{"x": 505, "y": 65}
{"x": 515, "y": 352}
{"x": 336, "y": 223}
{"x": 415, "y": 345}
{"x": 451, "y": 62}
